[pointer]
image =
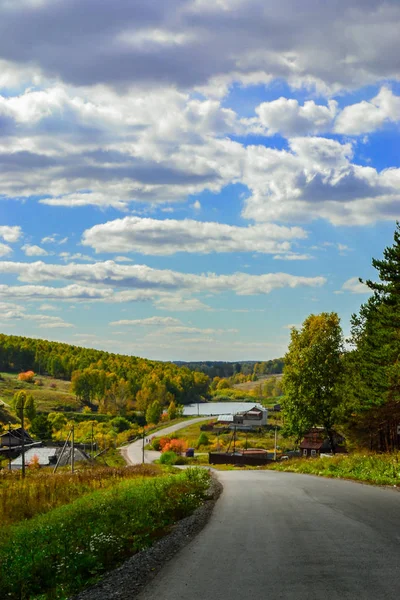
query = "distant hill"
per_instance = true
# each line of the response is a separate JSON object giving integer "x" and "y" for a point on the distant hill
{"x": 227, "y": 369}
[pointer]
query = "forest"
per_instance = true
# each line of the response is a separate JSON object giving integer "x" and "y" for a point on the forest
{"x": 101, "y": 380}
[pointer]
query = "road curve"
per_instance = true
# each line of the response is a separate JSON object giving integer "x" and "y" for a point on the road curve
{"x": 297, "y": 537}
{"x": 133, "y": 452}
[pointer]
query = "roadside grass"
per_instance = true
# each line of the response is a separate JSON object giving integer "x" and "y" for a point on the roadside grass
{"x": 378, "y": 469}
{"x": 55, "y": 555}
{"x": 42, "y": 491}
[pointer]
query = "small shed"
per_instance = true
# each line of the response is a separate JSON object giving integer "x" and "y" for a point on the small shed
{"x": 316, "y": 442}
{"x": 48, "y": 456}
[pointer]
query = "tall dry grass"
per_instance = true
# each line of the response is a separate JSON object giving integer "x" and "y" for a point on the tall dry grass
{"x": 41, "y": 491}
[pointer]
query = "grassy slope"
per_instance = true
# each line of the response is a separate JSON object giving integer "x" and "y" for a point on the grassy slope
{"x": 47, "y": 399}
{"x": 247, "y": 386}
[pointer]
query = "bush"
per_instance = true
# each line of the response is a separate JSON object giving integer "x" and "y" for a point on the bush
{"x": 120, "y": 424}
{"x": 176, "y": 445}
{"x": 39, "y": 382}
{"x": 168, "y": 458}
{"x": 28, "y": 376}
{"x": 182, "y": 460}
{"x": 156, "y": 444}
{"x": 203, "y": 440}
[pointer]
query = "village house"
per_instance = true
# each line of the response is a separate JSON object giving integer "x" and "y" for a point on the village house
{"x": 316, "y": 442}
{"x": 246, "y": 420}
{"x": 13, "y": 438}
{"x": 48, "y": 456}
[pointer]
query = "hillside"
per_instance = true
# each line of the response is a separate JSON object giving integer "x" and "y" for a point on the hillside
{"x": 70, "y": 377}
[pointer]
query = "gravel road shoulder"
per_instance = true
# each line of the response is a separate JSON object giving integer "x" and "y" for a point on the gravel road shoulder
{"x": 126, "y": 582}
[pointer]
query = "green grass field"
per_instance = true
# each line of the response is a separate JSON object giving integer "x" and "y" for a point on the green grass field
{"x": 53, "y": 395}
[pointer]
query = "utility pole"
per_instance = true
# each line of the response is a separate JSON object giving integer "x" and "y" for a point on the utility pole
{"x": 276, "y": 434}
{"x": 9, "y": 446}
{"x": 91, "y": 445}
{"x": 73, "y": 449}
{"x": 234, "y": 440}
{"x": 143, "y": 447}
{"x": 23, "y": 438}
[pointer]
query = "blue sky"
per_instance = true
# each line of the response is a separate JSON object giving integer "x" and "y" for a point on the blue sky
{"x": 187, "y": 180}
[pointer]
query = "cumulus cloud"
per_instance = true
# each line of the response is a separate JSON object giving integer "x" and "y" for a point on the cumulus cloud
{"x": 287, "y": 117}
{"x": 10, "y": 233}
{"x": 365, "y": 117}
{"x": 355, "y": 286}
{"x": 317, "y": 179}
{"x": 143, "y": 278}
{"x": 5, "y": 250}
{"x": 32, "y": 250}
{"x": 151, "y": 236}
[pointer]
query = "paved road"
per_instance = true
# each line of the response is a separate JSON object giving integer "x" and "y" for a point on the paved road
{"x": 297, "y": 537}
{"x": 133, "y": 452}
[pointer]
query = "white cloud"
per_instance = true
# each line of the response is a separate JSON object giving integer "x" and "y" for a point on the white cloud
{"x": 293, "y": 256}
{"x": 365, "y": 117}
{"x": 67, "y": 256}
{"x": 10, "y": 233}
{"x": 123, "y": 259}
{"x": 196, "y": 205}
{"x": 287, "y": 117}
{"x": 142, "y": 278}
{"x": 49, "y": 322}
{"x": 75, "y": 292}
{"x": 149, "y": 322}
{"x": 32, "y": 250}
{"x": 316, "y": 179}
{"x": 47, "y": 307}
{"x": 355, "y": 286}
{"x": 5, "y": 250}
{"x": 151, "y": 236}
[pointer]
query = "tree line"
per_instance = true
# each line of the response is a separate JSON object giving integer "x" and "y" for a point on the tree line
{"x": 112, "y": 383}
{"x": 352, "y": 385}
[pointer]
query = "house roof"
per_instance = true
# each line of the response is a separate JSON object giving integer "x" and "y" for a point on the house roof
{"x": 308, "y": 445}
{"x": 16, "y": 434}
{"x": 225, "y": 419}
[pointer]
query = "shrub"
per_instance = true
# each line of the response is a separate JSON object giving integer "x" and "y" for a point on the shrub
{"x": 156, "y": 444}
{"x": 53, "y": 386}
{"x": 28, "y": 376}
{"x": 203, "y": 440}
{"x": 168, "y": 458}
{"x": 182, "y": 460}
{"x": 120, "y": 424}
{"x": 176, "y": 445}
{"x": 39, "y": 382}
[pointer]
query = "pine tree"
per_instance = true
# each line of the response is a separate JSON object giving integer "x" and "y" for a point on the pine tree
{"x": 374, "y": 366}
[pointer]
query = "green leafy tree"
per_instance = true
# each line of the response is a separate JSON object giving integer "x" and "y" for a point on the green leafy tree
{"x": 24, "y": 405}
{"x": 153, "y": 412}
{"x": 41, "y": 428}
{"x": 313, "y": 374}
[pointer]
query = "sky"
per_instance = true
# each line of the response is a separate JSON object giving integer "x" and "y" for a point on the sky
{"x": 188, "y": 179}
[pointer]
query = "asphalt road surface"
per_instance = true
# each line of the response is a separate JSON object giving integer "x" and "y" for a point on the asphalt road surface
{"x": 282, "y": 535}
{"x": 133, "y": 452}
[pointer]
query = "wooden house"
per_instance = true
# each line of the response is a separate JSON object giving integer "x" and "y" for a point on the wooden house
{"x": 316, "y": 442}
